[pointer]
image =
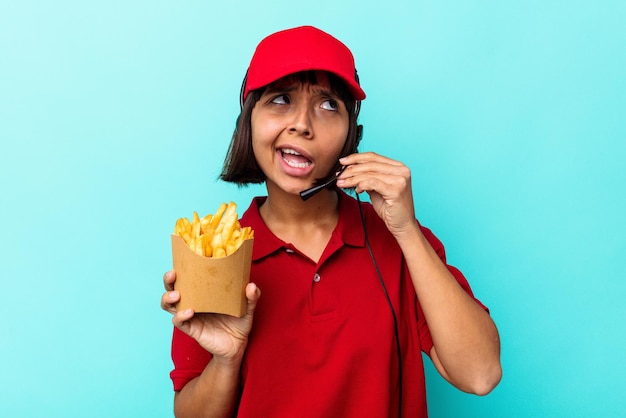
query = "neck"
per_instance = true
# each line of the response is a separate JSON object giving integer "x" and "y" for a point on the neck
{"x": 290, "y": 207}
{"x": 307, "y": 225}
{"x": 281, "y": 208}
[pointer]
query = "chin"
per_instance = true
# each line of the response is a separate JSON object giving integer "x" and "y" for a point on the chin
{"x": 292, "y": 188}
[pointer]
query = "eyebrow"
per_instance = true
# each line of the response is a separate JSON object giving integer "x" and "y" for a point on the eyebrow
{"x": 280, "y": 88}
{"x": 288, "y": 88}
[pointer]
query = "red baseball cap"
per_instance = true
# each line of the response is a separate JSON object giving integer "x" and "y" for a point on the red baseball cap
{"x": 301, "y": 49}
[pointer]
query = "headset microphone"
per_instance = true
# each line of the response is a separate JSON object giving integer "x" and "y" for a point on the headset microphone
{"x": 308, "y": 193}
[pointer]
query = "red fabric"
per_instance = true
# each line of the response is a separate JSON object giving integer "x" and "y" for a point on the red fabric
{"x": 324, "y": 346}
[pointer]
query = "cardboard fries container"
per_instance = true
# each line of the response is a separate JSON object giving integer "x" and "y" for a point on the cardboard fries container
{"x": 215, "y": 285}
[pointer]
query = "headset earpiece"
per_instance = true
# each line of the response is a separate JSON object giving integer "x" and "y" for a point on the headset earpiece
{"x": 243, "y": 86}
{"x": 357, "y": 110}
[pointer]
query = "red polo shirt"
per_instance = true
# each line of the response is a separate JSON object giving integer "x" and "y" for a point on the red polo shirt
{"x": 322, "y": 342}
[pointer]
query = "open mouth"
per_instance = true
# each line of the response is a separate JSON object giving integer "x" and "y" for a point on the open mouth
{"x": 294, "y": 158}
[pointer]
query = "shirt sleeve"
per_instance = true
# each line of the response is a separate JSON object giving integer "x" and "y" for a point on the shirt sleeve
{"x": 189, "y": 359}
{"x": 425, "y": 337}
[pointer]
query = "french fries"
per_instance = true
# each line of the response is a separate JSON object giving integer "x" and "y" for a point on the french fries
{"x": 217, "y": 235}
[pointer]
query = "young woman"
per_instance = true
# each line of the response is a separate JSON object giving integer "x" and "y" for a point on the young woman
{"x": 352, "y": 293}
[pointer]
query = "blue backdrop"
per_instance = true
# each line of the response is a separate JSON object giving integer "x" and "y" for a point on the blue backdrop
{"x": 115, "y": 117}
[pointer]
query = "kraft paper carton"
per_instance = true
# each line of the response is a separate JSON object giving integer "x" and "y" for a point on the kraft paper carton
{"x": 215, "y": 285}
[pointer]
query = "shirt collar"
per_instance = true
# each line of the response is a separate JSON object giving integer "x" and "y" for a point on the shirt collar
{"x": 349, "y": 228}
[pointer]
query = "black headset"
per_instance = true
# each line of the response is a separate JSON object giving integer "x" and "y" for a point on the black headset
{"x": 243, "y": 86}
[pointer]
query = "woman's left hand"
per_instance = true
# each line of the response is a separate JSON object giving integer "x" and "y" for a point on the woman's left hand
{"x": 388, "y": 183}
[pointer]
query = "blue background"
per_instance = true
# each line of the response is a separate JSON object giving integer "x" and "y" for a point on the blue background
{"x": 115, "y": 117}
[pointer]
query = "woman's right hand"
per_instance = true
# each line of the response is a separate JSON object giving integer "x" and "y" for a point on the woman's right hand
{"x": 224, "y": 336}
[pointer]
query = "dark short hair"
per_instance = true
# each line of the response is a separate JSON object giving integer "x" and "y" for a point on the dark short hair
{"x": 240, "y": 166}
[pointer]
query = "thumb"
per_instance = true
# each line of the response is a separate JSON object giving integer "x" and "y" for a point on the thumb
{"x": 253, "y": 293}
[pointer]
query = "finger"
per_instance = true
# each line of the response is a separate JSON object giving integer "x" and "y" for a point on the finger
{"x": 168, "y": 280}
{"x": 181, "y": 320}
{"x": 375, "y": 168}
{"x": 389, "y": 186}
{"x": 365, "y": 157}
{"x": 253, "y": 293}
{"x": 169, "y": 301}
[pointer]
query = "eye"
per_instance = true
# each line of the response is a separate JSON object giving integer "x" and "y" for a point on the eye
{"x": 280, "y": 99}
{"x": 330, "y": 104}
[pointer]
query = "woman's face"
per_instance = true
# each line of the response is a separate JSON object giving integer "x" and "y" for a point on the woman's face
{"x": 298, "y": 132}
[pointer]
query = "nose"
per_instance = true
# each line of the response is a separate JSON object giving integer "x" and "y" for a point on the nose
{"x": 301, "y": 123}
